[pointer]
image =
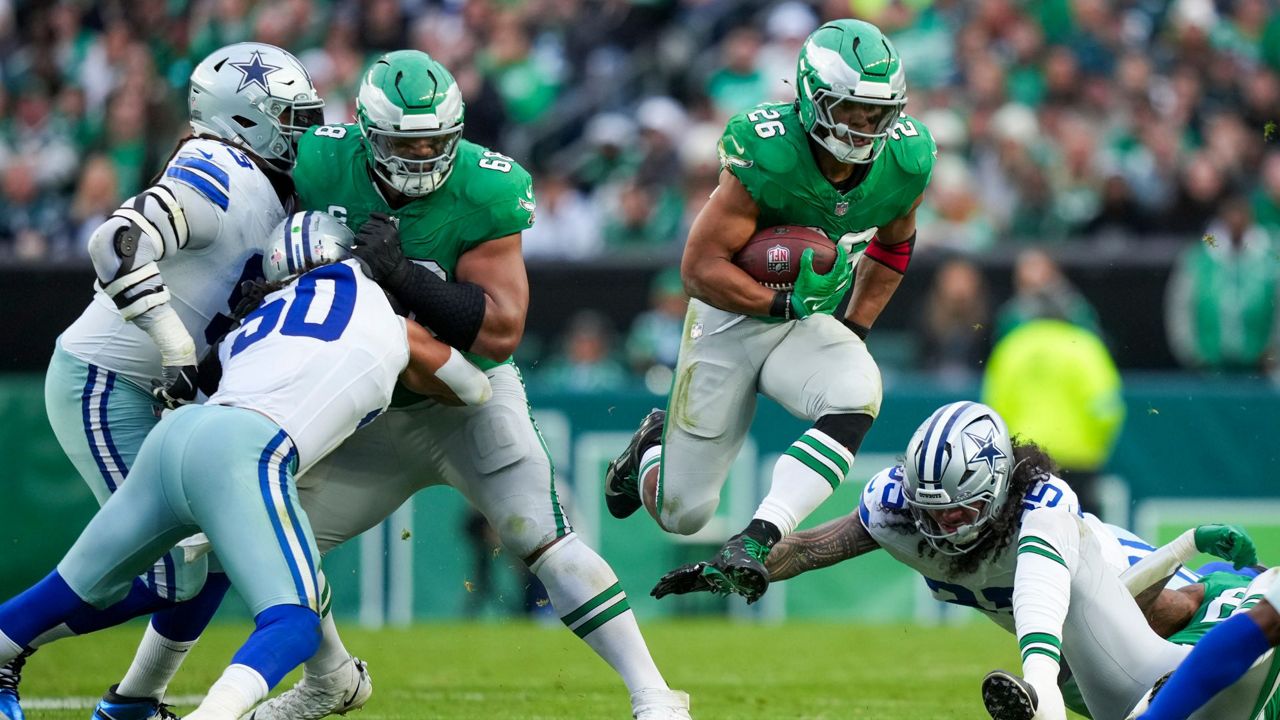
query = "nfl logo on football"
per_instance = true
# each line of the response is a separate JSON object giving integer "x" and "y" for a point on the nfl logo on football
{"x": 778, "y": 259}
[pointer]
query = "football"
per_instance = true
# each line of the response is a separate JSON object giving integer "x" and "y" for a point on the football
{"x": 772, "y": 255}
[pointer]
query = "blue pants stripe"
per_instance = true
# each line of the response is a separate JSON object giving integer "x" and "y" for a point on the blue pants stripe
{"x": 264, "y": 481}
{"x": 87, "y": 410}
{"x": 106, "y": 426}
{"x": 293, "y": 522}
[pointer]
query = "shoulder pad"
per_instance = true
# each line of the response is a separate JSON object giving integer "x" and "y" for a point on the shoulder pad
{"x": 1051, "y": 491}
{"x": 882, "y": 492}
{"x": 489, "y": 177}
{"x": 743, "y": 147}
{"x": 207, "y": 167}
{"x": 912, "y": 146}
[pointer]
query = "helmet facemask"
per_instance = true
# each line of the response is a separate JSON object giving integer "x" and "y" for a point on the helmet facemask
{"x": 985, "y": 505}
{"x": 961, "y": 458}
{"x": 851, "y": 89}
{"x": 415, "y": 163}
{"x": 292, "y": 119}
{"x": 837, "y": 114}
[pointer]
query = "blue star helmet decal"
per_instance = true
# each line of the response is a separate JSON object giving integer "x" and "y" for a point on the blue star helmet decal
{"x": 987, "y": 450}
{"x": 255, "y": 72}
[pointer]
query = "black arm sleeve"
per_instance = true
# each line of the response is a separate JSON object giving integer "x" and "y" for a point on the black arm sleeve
{"x": 454, "y": 311}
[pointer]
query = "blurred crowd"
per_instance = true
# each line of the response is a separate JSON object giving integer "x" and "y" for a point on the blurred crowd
{"x": 1113, "y": 120}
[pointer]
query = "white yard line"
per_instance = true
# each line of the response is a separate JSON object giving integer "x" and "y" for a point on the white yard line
{"x": 88, "y": 703}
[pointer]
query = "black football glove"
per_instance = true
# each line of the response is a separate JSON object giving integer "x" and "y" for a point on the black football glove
{"x": 252, "y": 293}
{"x": 682, "y": 580}
{"x": 378, "y": 246}
{"x": 176, "y": 385}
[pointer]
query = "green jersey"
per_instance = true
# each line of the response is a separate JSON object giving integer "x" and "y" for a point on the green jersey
{"x": 487, "y": 196}
{"x": 1224, "y": 596}
{"x": 767, "y": 149}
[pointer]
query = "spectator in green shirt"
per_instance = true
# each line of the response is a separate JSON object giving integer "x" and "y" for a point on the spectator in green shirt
{"x": 1220, "y": 305}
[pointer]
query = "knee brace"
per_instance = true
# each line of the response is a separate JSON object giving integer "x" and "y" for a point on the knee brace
{"x": 848, "y": 429}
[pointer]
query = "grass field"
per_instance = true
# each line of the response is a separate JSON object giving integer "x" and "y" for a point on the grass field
{"x": 521, "y": 670}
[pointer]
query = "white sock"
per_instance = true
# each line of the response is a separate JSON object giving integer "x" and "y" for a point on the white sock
{"x": 233, "y": 695}
{"x": 332, "y": 654}
{"x": 806, "y": 474}
{"x": 652, "y": 458}
{"x": 589, "y": 600}
{"x": 154, "y": 665}
{"x": 8, "y": 648}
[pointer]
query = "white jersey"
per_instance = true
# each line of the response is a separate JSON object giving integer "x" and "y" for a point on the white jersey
{"x": 230, "y": 206}
{"x": 989, "y": 588}
{"x": 319, "y": 357}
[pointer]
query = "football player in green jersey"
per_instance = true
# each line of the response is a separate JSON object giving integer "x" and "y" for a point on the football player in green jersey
{"x": 842, "y": 158}
{"x": 438, "y": 221}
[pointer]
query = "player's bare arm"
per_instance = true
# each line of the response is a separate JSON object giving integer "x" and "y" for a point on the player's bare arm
{"x": 721, "y": 228}
{"x": 1168, "y": 611}
{"x": 832, "y": 542}
{"x": 440, "y": 372}
{"x": 875, "y": 281}
{"x": 497, "y": 266}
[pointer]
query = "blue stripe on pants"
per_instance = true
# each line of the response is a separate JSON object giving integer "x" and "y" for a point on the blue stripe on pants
{"x": 86, "y": 410}
{"x": 264, "y": 483}
{"x": 106, "y": 427}
{"x": 302, "y": 540}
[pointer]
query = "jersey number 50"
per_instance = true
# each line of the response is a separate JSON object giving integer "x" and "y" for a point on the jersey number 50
{"x": 261, "y": 322}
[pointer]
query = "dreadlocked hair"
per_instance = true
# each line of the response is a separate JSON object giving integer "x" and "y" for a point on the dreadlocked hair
{"x": 1031, "y": 465}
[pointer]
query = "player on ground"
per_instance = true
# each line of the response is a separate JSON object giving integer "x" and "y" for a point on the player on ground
{"x": 169, "y": 263}
{"x": 1221, "y": 659}
{"x": 454, "y": 260}
{"x": 226, "y": 468}
{"x": 952, "y": 513}
{"x": 1069, "y": 606}
{"x": 842, "y": 158}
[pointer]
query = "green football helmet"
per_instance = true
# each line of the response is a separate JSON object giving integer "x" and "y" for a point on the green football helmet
{"x": 850, "y": 76}
{"x": 409, "y": 109}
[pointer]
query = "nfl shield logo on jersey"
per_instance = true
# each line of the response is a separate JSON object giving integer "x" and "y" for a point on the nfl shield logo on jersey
{"x": 778, "y": 259}
{"x": 842, "y": 207}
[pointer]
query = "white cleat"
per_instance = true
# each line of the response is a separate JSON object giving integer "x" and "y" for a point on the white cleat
{"x": 337, "y": 693}
{"x": 660, "y": 704}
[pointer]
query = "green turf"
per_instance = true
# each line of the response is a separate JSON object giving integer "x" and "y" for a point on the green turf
{"x": 520, "y": 670}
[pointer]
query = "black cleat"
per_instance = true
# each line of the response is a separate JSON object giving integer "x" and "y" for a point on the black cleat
{"x": 738, "y": 567}
{"x": 10, "y": 678}
{"x": 114, "y": 706}
{"x": 622, "y": 479}
{"x": 1008, "y": 697}
{"x": 1145, "y": 703}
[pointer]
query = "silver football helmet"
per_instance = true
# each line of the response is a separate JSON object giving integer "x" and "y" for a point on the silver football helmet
{"x": 304, "y": 241}
{"x": 960, "y": 458}
{"x": 256, "y": 96}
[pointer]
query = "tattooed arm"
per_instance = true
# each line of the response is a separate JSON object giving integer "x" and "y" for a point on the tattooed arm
{"x": 825, "y": 545}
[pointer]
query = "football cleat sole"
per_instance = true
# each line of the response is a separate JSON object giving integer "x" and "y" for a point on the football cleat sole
{"x": 1008, "y": 697}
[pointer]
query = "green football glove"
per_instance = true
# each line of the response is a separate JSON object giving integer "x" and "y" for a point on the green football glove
{"x": 817, "y": 293}
{"x": 1228, "y": 542}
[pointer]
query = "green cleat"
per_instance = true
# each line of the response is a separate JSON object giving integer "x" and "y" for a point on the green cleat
{"x": 739, "y": 568}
